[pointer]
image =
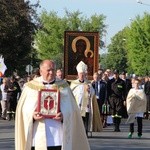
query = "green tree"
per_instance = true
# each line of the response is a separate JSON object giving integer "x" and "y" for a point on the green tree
{"x": 117, "y": 53}
{"x": 17, "y": 25}
{"x": 138, "y": 44}
{"x": 49, "y": 39}
{"x": 130, "y": 48}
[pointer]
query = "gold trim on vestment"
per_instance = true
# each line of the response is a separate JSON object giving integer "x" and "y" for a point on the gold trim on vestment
{"x": 35, "y": 85}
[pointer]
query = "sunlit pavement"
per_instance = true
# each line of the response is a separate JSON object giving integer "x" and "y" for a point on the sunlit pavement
{"x": 109, "y": 140}
{"x": 106, "y": 140}
{"x": 6, "y": 135}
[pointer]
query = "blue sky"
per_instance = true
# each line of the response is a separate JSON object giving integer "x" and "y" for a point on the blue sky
{"x": 117, "y": 12}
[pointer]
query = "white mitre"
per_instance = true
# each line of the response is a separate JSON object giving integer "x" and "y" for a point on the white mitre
{"x": 81, "y": 67}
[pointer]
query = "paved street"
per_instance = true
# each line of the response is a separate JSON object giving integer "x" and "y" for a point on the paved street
{"x": 109, "y": 140}
{"x": 6, "y": 135}
{"x": 106, "y": 140}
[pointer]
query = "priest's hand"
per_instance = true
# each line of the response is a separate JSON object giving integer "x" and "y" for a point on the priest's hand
{"x": 37, "y": 116}
{"x": 59, "y": 117}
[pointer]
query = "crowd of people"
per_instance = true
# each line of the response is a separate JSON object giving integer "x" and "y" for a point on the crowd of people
{"x": 10, "y": 92}
{"x": 123, "y": 94}
{"x": 85, "y": 106}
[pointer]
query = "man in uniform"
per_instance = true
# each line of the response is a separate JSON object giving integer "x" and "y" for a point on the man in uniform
{"x": 12, "y": 89}
{"x": 33, "y": 131}
{"x": 86, "y": 100}
{"x": 116, "y": 94}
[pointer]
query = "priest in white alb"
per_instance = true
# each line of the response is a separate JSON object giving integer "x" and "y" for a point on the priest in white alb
{"x": 34, "y": 131}
{"x": 86, "y": 100}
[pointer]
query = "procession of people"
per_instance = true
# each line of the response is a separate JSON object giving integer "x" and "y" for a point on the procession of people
{"x": 84, "y": 106}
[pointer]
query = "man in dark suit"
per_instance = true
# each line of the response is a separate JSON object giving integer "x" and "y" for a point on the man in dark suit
{"x": 128, "y": 86}
{"x": 100, "y": 88}
{"x": 127, "y": 82}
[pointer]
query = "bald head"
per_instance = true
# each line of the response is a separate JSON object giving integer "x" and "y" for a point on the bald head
{"x": 47, "y": 70}
{"x": 47, "y": 62}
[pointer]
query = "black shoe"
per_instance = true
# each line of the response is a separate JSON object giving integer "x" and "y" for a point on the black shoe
{"x": 3, "y": 118}
{"x": 117, "y": 130}
{"x": 9, "y": 116}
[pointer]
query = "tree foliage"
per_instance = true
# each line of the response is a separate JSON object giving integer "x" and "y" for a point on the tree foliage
{"x": 117, "y": 53}
{"x": 130, "y": 48}
{"x": 17, "y": 25}
{"x": 49, "y": 39}
{"x": 138, "y": 44}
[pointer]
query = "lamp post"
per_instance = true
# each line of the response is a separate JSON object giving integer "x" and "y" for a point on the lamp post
{"x": 140, "y": 2}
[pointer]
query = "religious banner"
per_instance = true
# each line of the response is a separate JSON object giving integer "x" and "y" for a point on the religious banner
{"x": 48, "y": 103}
{"x": 2, "y": 66}
{"x": 80, "y": 46}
